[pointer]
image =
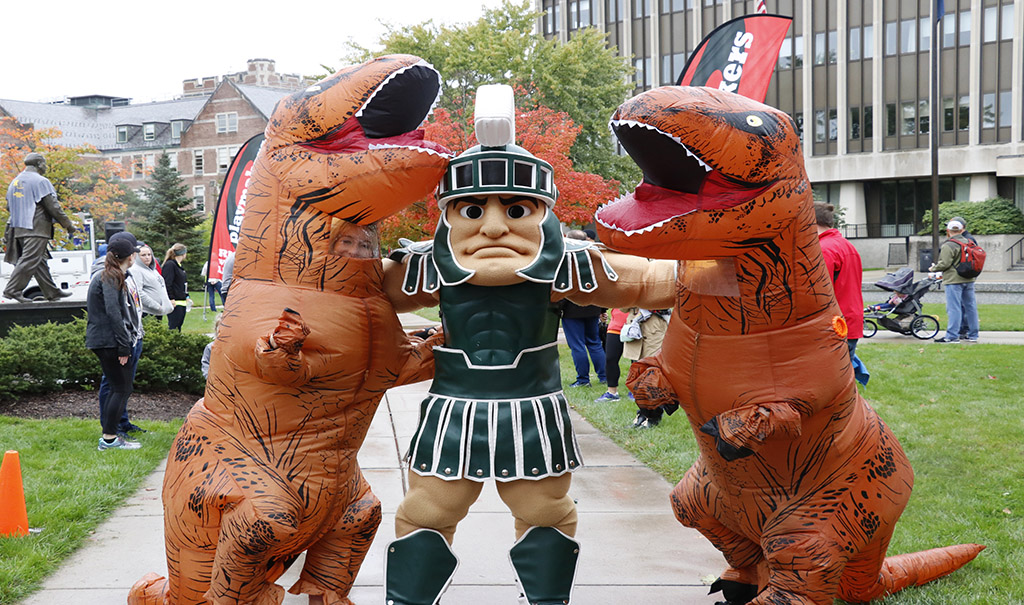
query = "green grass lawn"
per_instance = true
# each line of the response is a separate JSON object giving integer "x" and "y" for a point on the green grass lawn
{"x": 999, "y": 318}
{"x": 957, "y": 412}
{"x": 70, "y": 488}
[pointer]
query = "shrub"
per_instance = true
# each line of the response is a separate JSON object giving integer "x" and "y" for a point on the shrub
{"x": 52, "y": 357}
{"x": 990, "y": 217}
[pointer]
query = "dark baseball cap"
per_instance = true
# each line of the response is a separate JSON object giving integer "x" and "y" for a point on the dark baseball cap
{"x": 126, "y": 236}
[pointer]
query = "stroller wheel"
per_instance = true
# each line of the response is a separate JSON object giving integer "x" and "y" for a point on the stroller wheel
{"x": 924, "y": 327}
{"x": 870, "y": 328}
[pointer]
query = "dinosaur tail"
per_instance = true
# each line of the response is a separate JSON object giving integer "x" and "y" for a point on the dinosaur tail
{"x": 912, "y": 569}
{"x": 150, "y": 590}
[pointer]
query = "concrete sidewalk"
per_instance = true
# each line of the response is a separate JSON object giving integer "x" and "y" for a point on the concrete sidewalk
{"x": 633, "y": 549}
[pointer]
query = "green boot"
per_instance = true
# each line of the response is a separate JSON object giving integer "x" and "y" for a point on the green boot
{"x": 545, "y": 560}
{"x": 418, "y": 568}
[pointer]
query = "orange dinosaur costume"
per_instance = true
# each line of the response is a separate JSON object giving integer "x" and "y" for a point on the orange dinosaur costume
{"x": 264, "y": 467}
{"x": 799, "y": 483}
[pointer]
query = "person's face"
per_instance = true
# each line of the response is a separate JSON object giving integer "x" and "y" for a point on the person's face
{"x": 354, "y": 241}
{"x": 495, "y": 235}
{"x": 145, "y": 255}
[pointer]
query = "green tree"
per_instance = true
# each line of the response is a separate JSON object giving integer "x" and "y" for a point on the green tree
{"x": 583, "y": 77}
{"x": 168, "y": 216}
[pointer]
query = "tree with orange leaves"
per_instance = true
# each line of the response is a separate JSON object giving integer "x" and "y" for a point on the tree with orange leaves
{"x": 84, "y": 181}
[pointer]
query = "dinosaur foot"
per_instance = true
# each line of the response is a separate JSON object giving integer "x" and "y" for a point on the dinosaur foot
{"x": 735, "y": 593}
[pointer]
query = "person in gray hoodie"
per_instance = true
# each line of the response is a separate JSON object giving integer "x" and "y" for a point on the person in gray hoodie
{"x": 152, "y": 289}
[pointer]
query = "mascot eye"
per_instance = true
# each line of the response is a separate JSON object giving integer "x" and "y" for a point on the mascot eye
{"x": 754, "y": 121}
{"x": 471, "y": 211}
{"x": 518, "y": 211}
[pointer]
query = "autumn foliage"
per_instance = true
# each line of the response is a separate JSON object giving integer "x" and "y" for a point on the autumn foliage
{"x": 544, "y": 132}
{"x": 84, "y": 181}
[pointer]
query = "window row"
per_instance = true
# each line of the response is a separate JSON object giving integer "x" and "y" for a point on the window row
{"x": 912, "y": 117}
{"x": 149, "y": 131}
{"x": 224, "y": 157}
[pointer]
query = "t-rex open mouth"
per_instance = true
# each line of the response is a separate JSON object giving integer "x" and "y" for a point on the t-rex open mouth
{"x": 391, "y": 116}
{"x": 676, "y": 182}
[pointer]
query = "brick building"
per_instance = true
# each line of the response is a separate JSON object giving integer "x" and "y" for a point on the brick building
{"x": 201, "y": 131}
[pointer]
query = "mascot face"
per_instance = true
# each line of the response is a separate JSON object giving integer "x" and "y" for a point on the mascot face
{"x": 495, "y": 236}
{"x": 714, "y": 164}
{"x": 350, "y": 145}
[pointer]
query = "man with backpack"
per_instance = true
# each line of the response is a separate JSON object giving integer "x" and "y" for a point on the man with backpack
{"x": 961, "y": 304}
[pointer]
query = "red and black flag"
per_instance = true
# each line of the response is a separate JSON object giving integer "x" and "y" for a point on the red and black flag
{"x": 227, "y": 216}
{"x": 738, "y": 56}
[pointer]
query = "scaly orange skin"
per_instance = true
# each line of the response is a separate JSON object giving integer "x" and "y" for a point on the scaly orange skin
{"x": 799, "y": 483}
{"x": 264, "y": 467}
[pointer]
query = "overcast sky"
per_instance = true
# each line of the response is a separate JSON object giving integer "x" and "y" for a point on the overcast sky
{"x": 144, "y": 49}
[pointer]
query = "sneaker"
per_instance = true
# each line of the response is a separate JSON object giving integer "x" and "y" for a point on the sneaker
{"x": 131, "y": 427}
{"x": 946, "y": 340}
{"x": 580, "y": 383}
{"x": 120, "y": 443}
{"x": 606, "y": 396}
{"x": 971, "y": 340}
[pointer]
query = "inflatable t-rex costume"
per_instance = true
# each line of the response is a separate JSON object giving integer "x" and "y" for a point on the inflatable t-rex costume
{"x": 799, "y": 482}
{"x": 264, "y": 467}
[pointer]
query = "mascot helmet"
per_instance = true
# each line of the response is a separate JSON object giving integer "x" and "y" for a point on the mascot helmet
{"x": 497, "y": 165}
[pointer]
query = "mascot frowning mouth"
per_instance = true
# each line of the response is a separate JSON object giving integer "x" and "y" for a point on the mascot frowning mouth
{"x": 799, "y": 483}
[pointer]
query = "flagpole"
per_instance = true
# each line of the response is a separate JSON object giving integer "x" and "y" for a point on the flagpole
{"x": 934, "y": 127}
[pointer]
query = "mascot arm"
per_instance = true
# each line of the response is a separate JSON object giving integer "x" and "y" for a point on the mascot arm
{"x": 419, "y": 362}
{"x": 636, "y": 282}
{"x": 402, "y": 300}
{"x": 741, "y": 431}
{"x": 279, "y": 357}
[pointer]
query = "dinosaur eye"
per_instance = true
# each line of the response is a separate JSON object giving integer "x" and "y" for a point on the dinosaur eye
{"x": 471, "y": 211}
{"x": 754, "y": 121}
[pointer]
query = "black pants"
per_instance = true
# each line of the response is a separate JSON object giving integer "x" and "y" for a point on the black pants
{"x": 176, "y": 317}
{"x": 612, "y": 355}
{"x": 120, "y": 379}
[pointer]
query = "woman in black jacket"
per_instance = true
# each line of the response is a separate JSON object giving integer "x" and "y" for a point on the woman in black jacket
{"x": 177, "y": 286}
{"x": 111, "y": 332}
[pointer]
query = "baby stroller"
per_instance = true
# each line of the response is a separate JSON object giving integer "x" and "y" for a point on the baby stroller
{"x": 902, "y": 312}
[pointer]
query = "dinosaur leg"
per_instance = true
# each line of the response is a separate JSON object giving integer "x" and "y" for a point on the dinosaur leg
{"x": 333, "y": 562}
{"x": 803, "y": 569}
{"x": 872, "y": 575}
{"x": 697, "y": 503}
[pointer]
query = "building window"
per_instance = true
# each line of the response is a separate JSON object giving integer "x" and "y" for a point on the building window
{"x": 197, "y": 162}
{"x": 223, "y": 159}
{"x": 855, "y": 122}
{"x": 965, "y": 28}
{"x": 176, "y": 127}
{"x": 869, "y": 41}
{"x": 925, "y": 27}
{"x": 908, "y": 36}
{"x": 948, "y": 115}
{"x": 786, "y": 54}
{"x": 1005, "y": 108}
{"x": 1006, "y": 32}
{"x": 854, "y": 43}
{"x": 989, "y": 29}
{"x": 199, "y": 197}
{"x": 148, "y": 132}
{"x": 833, "y": 44}
{"x": 891, "y": 38}
{"x": 819, "y": 48}
{"x": 150, "y": 162}
{"x": 798, "y": 51}
{"x": 819, "y": 126}
{"x": 833, "y": 125}
{"x": 949, "y": 30}
{"x": 867, "y": 122}
{"x": 908, "y": 122}
{"x": 924, "y": 116}
{"x": 890, "y": 119}
{"x": 988, "y": 110}
{"x": 613, "y": 12}
{"x": 137, "y": 167}
{"x": 227, "y": 122}
{"x": 798, "y": 119}
{"x": 122, "y": 134}
{"x": 964, "y": 121}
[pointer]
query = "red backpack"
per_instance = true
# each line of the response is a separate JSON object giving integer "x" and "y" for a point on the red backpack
{"x": 972, "y": 259}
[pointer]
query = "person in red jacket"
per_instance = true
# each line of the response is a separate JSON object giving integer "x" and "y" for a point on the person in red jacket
{"x": 843, "y": 263}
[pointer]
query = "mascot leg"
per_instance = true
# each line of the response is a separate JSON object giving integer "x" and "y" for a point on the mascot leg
{"x": 333, "y": 562}
{"x": 544, "y": 556}
{"x": 803, "y": 569}
{"x": 696, "y": 503}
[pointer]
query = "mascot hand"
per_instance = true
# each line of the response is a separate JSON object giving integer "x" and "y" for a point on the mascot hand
{"x": 649, "y": 386}
{"x": 741, "y": 430}
{"x": 290, "y": 332}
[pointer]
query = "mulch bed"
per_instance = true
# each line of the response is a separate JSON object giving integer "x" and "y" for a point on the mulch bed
{"x": 162, "y": 406}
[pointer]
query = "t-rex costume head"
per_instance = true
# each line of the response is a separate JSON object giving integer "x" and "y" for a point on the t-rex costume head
{"x": 264, "y": 467}
{"x": 798, "y": 483}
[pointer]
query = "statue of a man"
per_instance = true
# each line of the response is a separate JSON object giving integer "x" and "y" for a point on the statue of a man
{"x": 33, "y": 206}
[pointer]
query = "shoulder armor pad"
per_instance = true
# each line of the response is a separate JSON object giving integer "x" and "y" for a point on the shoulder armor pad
{"x": 578, "y": 264}
{"x": 420, "y": 271}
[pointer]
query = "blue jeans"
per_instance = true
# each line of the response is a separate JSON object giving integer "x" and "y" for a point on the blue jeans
{"x": 962, "y": 308}
{"x": 582, "y": 335}
{"x": 133, "y": 364}
{"x": 212, "y": 291}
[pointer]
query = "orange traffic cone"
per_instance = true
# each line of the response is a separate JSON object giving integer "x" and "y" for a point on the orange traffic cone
{"x": 13, "y": 515}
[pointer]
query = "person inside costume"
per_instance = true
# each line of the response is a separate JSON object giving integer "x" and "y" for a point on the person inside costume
{"x": 498, "y": 265}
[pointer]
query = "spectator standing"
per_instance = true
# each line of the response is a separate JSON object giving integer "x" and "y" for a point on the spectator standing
{"x": 112, "y": 330}
{"x": 653, "y": 325}
{"x": 204, "y": 364}
{"x": 152, "y": 288}
{"x": 582, "y": 333}
{"x": 33, "y": 207}
{"x": 213, "y": 288}
{"x": 967, "y": 234}
{"x": 961, "y": 303}
{"x": 227, "y": 274}
{"x": 613, "y": 353}
{"x": 843, "y": 264}
{"x": 177, "y": 285}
